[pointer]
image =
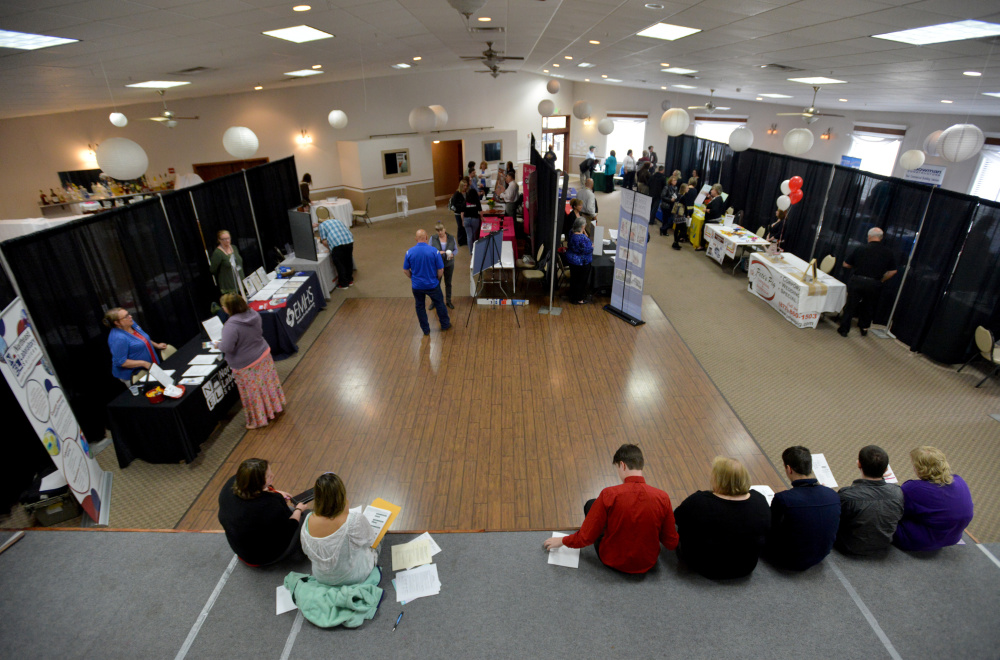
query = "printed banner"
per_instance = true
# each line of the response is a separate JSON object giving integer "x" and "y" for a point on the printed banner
{"x": 930, "y": 174}
{"x": 37, "y": 390}
{"x": 630, "y": 255}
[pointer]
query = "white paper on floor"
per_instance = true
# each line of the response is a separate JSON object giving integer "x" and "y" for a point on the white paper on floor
{"x": 563, "y": 556}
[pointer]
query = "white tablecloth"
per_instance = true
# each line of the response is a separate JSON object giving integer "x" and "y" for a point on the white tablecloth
{"x": 772, "y": 281}
{"x": 722, "y": 241}
{"x": 341, "y": 209}
{"x": 323, "y": 268}
{"x": 506, "y": 263}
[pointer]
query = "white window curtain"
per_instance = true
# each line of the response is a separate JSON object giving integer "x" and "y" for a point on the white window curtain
{"x": 877, "y": 154}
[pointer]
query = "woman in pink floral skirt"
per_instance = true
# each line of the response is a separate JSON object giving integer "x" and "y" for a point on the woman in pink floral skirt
{"x": 249, "y": 357}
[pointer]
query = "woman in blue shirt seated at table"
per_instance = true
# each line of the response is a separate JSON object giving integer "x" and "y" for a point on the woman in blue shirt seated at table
{"x": 579, "y": 255}
{"x": 132, "y": 350}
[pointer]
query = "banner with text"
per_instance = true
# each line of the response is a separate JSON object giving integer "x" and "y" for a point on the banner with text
{"x": 37, "y": 390}
{"x": 630, "y": 253}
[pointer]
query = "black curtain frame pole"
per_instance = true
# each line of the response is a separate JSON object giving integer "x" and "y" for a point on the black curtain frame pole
{"x": 909, "y": 260}
{"x": 253, "y": 216}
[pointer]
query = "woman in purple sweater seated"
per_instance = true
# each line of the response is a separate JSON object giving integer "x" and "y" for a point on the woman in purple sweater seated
{"x": 249, "y": 357}
{"x": 937, "y": 507}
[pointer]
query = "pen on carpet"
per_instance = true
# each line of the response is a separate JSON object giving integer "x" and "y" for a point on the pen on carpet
{"x": 398, "y": 619}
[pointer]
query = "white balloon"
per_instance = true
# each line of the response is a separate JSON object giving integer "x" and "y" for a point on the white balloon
{"x": 785, "y": 188}
{"x": 605, "y": 126}
{"x": 581, "y": 110}
{"x": 798, "y": 141}
{"x": 784, "y": 202}
{"x": 240, "y": 142}
{"x": 422, "y": 119}
{"x": 675, "y": 121}
{"x": 552, "y": 86}
{"x": 337, "y": 118}
{"x": 546, "y": 108}
{"x": 122, "y": 159}
{"x": 118, "y": 119}
{"x": 741, "y": 139}
{"x": 912, "y": 159}
{"x": 440, "y": 116}
{"x": 930, "y": 143}
{"x": 960, "y": 142}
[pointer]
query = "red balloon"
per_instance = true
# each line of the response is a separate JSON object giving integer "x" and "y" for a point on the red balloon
{"x": 795, "y": 196}
{"x": 794, "y": 183}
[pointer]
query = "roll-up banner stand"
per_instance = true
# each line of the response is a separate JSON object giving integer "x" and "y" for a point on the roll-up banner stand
{"x": 38, "y": 391}
{"x": 630, "y": 256}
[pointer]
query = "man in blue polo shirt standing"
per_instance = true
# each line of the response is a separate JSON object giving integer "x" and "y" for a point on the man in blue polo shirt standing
{"x": 424, "y": 266}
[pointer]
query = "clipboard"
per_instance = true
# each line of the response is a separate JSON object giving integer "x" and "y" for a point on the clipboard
{"x": 393, "y": 509}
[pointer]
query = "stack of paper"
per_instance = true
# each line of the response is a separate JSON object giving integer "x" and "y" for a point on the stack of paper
{"x": 204, "y": 359}
{"x": 407, "y": 555}
{"x": 765, "y": 491}
{"x": 563, "y": 556}
{"x": 417, "y": 583}
{"x": 199, "y": 370}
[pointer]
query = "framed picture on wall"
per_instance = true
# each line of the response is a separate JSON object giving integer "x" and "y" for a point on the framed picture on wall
{"x": 492, "y": 151}
{"x": 395, "y": 162}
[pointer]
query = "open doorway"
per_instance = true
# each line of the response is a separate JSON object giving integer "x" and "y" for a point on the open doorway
{"x": 555, "y": 134}
{"x": 447, "y": 158}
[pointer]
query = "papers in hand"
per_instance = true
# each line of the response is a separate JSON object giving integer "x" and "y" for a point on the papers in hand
{"x": 204, "y": 359}
{"x": 417, "y": 583}
{"x": 890, "y": 476}
{"x": 213, "y": 327}
{"x": 822, "y": 471}
{"x": 283, "y": 601}
{"x": 563, "y": 556}
{"x": 408, "y": 555}
{"x": 765, "y": 491}
{"x": 381, "y": 525}
{"x": 199, "y": 370}
{"x": 376, "y": 517}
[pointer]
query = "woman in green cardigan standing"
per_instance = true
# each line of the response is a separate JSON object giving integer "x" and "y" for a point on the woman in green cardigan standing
{"x": 227, "y": 264}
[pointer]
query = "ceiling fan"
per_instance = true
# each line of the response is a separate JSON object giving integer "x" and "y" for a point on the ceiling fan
{"x": 494, "y": 70}
{"x": 492, "y": 58}
{"x": 709, "y": 107}
{"x": 810, "y": 114}
{"x": 167, "y": 116}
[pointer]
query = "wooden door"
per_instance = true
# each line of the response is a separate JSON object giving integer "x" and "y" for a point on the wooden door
{"x": 447, "y": 157}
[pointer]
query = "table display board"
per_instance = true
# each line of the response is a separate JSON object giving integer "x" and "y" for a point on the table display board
{"x": 780, "y": 282}
{"x": 722, "y": 241}
{"x": 630, "y": 258}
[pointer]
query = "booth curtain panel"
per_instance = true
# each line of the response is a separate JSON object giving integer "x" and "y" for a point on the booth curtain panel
{"x": 274, "y": 188}
{"x": 191, "y": 252}
{"x": 713, "y": 160}
{"x": 223, "y": 204}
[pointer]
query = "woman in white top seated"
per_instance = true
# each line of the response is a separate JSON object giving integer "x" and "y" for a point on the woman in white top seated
{"x": 338, "y": 541}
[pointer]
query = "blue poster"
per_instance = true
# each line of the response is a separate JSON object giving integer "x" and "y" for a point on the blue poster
{"x": 630, "y": 256}
{"x": 847, "y": 161}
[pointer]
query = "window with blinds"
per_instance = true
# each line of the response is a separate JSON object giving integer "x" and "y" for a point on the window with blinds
{"x": 986, "y": 182}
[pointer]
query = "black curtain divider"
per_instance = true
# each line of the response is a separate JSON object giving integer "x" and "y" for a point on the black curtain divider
{"x": 274, "y": 189}
{"x": 223, "y": 204}
{"x": 545, "y": 185}
{"x": 713, "y": 160}
{"x": 191, "y": 252}
{"x": 7, "y": 291}
{"x": 972, "y": 297}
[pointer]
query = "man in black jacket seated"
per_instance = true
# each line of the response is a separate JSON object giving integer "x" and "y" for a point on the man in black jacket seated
{"x": 871, "y": 265}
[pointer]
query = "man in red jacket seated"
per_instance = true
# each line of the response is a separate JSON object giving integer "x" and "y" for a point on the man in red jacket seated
{"x": 626, "y": 523}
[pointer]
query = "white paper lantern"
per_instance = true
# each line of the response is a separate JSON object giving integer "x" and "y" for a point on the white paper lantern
{"x": 118, "y": 119}
{"x": 422, "y": 119}
{"x": 784, "y": 202}
{"x": 122, "y": 159}
{"x": 675, "y": 121}
{"x": 552, "y": 86}
{"x": 337, "y": 119}
{"x": 930, "y": 143}
{"x": 581, "y": 110}
{"x": 605, "y": 126}
{"x": 786, "y": 188}
{"x": 741, "y": 139}
{"x": 960, "y": 142}
{"x": 798, "y": 141}
{"x": 240, "y": 142}
{"x": 440, "y": 116}
{"x": 912, "y": 159}
{"x": 546, "y": 108}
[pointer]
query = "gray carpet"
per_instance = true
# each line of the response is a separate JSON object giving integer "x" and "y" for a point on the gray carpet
{"x": 139, "y": 594}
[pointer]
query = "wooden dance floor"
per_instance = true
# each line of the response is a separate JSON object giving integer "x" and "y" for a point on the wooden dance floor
{"x": 491, "y": 426}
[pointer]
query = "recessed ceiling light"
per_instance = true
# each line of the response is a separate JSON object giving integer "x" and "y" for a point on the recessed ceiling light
{"x": 586, "y": 65}
{"x": 664, "y": 87}
{"x": 819, "y": 80}
{"x": 28, "y": 41}
{"x": 842, "y": 100}
{"x": 776, "y": 96}
{"x": 946, "y": 101}
{"x": 586, "y": 80}
{"x": 556, "y": 75}
{"x": 569, "y": 57}
{"x": 686, "y": 86}
{"x": 299, "y": 34}
{"x": 936, "y": 34}
{"x": 545, "y": 70}
{"x": 258, "y": 87}
{"x": 317, "y": 66}
{"x": 417, "y": 58}
{"x": 556, "y": 65}
{"x": 667, "y": 31}
{"x": 603, "y": 75}
{"x": 664, "y": 64}
{"x": 679, "y": 71}
{"x": 437, "y": 141}
{"x": 302, "y": 73}
{"x": 401, "y": 65}
{"x": 759, "y": 99}
{"x": 301, "y": 8}
{"x": 996, "y": 94}
{"x": 158, "y": 84}
{"x": 973, "y": 74}
{"x": 595, "y": 42}
{"x": 654, "y": 5}
{"x": 485, "y": 19}
{"x": 613, "y": 80}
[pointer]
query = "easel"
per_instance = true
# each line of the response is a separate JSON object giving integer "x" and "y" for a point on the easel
{"x": 491, "y": 247}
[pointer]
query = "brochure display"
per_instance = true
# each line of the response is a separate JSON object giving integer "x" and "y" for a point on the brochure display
{"x": 630, "y": 256}
{"x": 41, "y": 397}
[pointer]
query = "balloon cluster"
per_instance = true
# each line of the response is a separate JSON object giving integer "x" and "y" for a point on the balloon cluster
{"x": 791, "y": 192}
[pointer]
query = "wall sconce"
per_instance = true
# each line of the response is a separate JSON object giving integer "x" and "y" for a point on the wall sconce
{"x": 773, "y": 130}
{"x": 826, "y": 135}
{"x": 305, "y": 138}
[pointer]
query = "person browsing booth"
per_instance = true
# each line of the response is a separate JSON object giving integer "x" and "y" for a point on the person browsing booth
{"x": 626, "y": 524}
{"x": 424, "y": 266}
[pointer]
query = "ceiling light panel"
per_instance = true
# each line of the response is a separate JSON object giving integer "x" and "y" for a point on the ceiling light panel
{"x": 586, "y": 65}
{"x": 818, "y": 80}
{"x": 28, "y": 41}
{"x": 302, "y": 73}
{"x": 401, "y": 65}
{"x": 685, "y": 86}
{"x": 936, "y": 34}
{"x": 159, "y": 84}
{"x": 299, "y": 34}
{"x": 613, "y": 79}
{"x": 995, "y": 94}
{"x": 776, "y": 96}
{"x": 679, "y": 71}
{"x": 667, "y": 31}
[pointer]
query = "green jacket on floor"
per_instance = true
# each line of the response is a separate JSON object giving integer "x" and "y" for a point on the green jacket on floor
{"x": 327, "y": 606}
